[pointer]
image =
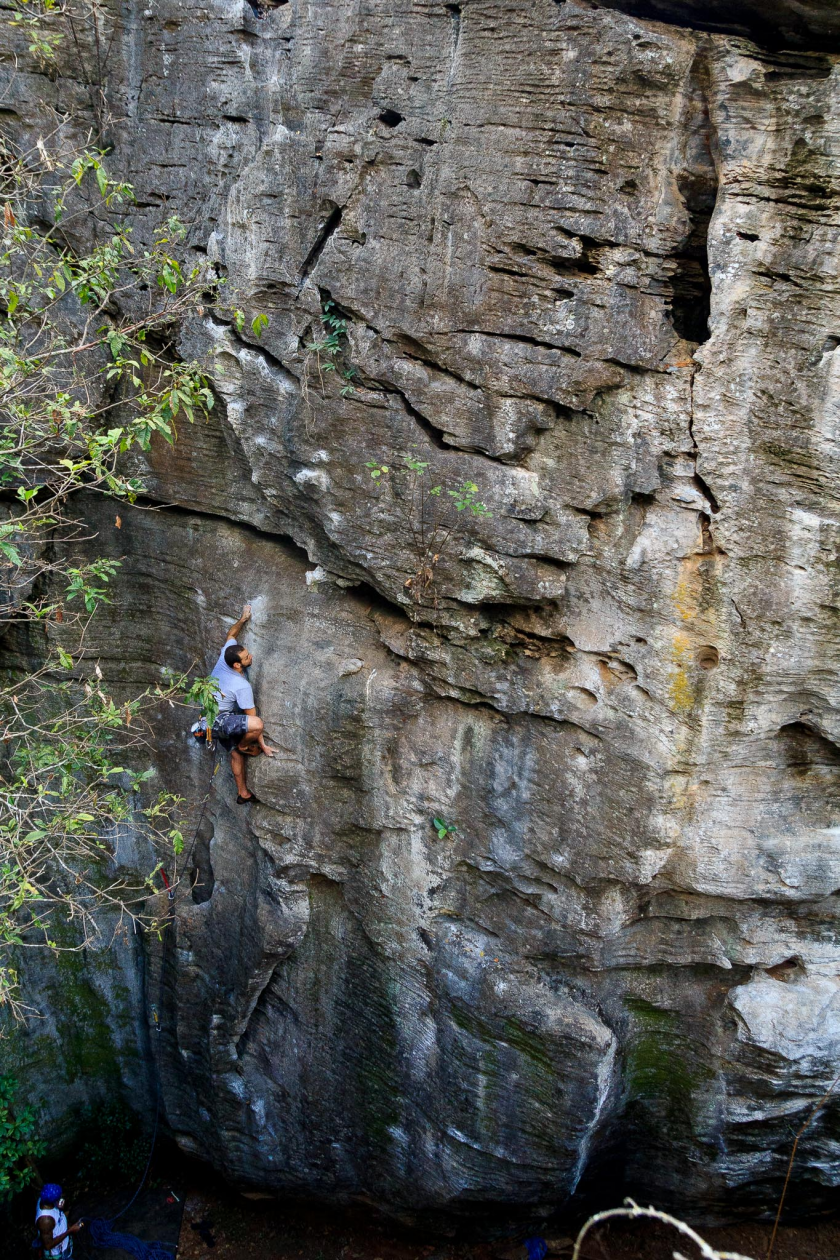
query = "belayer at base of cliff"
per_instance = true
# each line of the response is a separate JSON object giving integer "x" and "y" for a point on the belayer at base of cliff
{"x": 237, "y": 727}
{"x": 55, "y": 1237}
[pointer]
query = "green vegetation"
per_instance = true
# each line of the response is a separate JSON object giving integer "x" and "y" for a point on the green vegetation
{"x": 434, "y": 517}
{"x": 662, "y": 1069}
{"x": 111, "y": 1146}
{"x": 39, "y": 19}
{"x": 19, "y": 1147}
{"x": 443, "y": 829}
{"x": 326, "y": 352}
{"x": 89, "y": 369}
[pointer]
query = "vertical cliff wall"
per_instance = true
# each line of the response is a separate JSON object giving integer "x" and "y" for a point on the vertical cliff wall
{"x": 589, "y": 262}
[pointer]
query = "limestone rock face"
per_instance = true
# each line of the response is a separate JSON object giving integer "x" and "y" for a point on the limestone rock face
{"x": 588, "y": 262}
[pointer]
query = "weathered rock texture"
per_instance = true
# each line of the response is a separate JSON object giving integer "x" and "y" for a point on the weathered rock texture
{"x": 589, "y": 262}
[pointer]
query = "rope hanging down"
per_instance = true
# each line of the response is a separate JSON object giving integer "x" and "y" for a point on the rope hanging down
{"x": 102, "y": 1232}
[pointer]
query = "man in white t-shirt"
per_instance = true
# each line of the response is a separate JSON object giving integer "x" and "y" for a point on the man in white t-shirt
{"x": 53, "y": 1231}
{"x": 237, "y": 726}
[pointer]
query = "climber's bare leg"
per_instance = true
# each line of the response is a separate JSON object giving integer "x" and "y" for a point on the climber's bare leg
{"x": 237, "y": 765}
{"x": 249, "y": 743}
{"x": 252, "y": 744}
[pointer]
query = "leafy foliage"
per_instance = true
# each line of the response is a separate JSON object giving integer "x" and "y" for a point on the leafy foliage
{"x": 327, "y": 350}
{"x": 19, "y": 1145}
{"x": 443, "y": 829}
{"x": 37, "y": 19}
{"x": 89, "y": 369}
{"x": 434, "y": 516}
{"x": 111, "y": 1145}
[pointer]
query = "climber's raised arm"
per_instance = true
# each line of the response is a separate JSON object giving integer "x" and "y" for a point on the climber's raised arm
{"x": 238, "y": 626}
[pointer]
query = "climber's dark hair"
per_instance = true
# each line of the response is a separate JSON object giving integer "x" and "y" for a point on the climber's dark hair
{"x": 233, "y": 654}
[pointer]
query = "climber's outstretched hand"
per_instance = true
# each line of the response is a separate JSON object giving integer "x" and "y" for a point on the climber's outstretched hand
{"x": 236, "y": 628}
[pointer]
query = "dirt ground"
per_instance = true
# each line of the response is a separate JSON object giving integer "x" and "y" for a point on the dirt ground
{"x": 219, "y": 1223}
{"x": 228, "y": 1227}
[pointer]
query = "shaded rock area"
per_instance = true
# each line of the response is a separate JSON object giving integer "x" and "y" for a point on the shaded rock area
{"x": 589, "y": 262}
{"x": 772, "y": 23}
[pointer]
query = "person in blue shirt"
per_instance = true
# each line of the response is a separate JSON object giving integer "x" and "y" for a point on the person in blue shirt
{"x": 237, "y": 726}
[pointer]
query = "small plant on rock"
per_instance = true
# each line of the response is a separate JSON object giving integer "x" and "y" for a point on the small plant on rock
{"x": 325, "y": 351}
{"x": 435, "y": 518}
{"x": 443, "y": 829}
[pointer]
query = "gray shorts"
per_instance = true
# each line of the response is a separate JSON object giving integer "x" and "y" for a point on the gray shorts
{"x": 229, "y": 728}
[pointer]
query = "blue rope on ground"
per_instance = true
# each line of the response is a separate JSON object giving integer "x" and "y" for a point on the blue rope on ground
{"x": 102, "y": 1235}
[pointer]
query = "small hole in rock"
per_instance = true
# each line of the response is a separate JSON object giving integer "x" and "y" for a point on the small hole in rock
{"x": 707, "y": 657}
{"x": 202, "y": 879}
{"x": 582, "y": 697}
{"x": 785, "y": 971}
{"x": 629, "y": 186}
{"x": 748, "y": 236}
{"x": 390, "y": 118}
{"x": 413, "y": 179}
{"x": 806, "y": 751}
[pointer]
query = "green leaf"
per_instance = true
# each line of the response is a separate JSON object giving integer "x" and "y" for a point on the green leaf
{"x": 11, "y": 552}
{"x": 258, "y": 324}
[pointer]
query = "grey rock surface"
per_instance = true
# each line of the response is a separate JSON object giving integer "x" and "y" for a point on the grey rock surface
{"x": 590, "y": 263}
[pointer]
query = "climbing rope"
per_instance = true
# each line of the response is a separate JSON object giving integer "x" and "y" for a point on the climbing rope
{"x": 142, "y": 1181}
{"x": 102, "y": 1233}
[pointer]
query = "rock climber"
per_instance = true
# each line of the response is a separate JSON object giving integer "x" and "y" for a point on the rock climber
{"x": 53, "y": 1231}
{"x": 237, "y": 726}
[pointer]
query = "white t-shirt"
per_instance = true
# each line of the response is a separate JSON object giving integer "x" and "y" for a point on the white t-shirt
{"x": 234, "y": 688}
{"x": 59, "y": 1221}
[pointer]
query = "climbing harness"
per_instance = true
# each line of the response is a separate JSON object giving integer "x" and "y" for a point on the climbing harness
{"x": 202, "y": 733}
{"x": 102, "y": 1232}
